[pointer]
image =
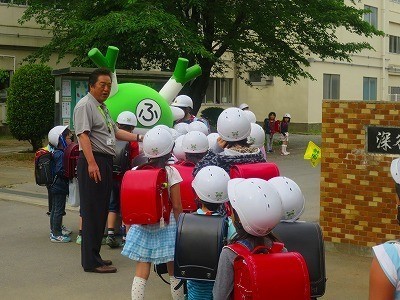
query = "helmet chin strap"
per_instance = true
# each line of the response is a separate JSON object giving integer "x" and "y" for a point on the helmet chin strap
{"x": 63, "y": 141}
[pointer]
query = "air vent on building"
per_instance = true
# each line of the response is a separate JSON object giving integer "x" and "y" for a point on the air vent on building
{"x": 394, "y": 69}
{"x": 256, "y": 78}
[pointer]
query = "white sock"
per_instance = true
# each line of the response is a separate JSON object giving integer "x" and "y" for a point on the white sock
{"x": 138, "y": 286}
{"x": 176, "y": 294}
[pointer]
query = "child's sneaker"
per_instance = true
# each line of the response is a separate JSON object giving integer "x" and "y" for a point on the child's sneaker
{"x": 112, "y": 242}
{"x": 59, "y": 239}
{"x": 78, "y": 239}
{"x": 65, "y": 230}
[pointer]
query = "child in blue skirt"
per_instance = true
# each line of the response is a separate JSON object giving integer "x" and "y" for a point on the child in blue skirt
{"x": 155, "y": 243}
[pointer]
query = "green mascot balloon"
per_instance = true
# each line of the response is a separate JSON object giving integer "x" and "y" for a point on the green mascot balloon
{"x": 150, "y": 107}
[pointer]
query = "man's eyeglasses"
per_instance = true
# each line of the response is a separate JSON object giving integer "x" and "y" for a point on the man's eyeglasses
{"x": 104, "y": 85}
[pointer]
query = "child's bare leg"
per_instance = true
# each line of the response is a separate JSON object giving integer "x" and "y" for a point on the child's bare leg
{"x": 139, "y": 282}
{"x": 176, "y": 294}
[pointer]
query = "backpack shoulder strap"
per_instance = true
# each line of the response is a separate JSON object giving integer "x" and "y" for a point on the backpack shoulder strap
{"x": 239, "y": 249}
{"x": 145, "y": 166}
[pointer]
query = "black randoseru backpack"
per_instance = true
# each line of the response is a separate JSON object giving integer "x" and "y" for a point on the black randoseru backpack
{"x": 44, "y": 169}
{"x": 121, "y": 161}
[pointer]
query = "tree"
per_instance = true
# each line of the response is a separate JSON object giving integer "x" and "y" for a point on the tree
{"x": 30, "y": 104}
{"x": 4, "y": 75}
{"x": 274, "y": 37}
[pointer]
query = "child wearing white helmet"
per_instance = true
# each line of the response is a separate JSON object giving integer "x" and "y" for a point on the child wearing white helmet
{"x": 293, "y": 201}
{"x": 285, "y": 133}
{"x": 257, "y": 138}
{"x": 59, "y": 138}
{"x": 155, "y": 243}
{"x": 213, "y": 143}
{"x": 127, "y": 121}
{"x": 244, "y": 106}
{"x": 395, "y": 172}
{"x": 185, "y": 103}
{"x": 383, "y": 279}
{"x": 195, "y": 146}
{"x": 257, "y": 209}
{"x": 198, "y": 126}
{"x": 211, "y": 188}
{"x": 233, "y": 128}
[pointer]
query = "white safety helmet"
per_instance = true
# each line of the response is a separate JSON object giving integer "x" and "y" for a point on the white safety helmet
{"x": 233, "y": 125}
{"x": 174, "y": 133}
{"x": 287, "y": 115}
{"x": 55, "y": 133}
{"x": 163, "y": 127}
{"x": 257, "y": 204}
{"x": 177, "y": 113}
{"x": 292, "y": 198}
{"x": 195, "y": 142}
{"x": 183, "y": 101}
{"x": 178, "y": 150}
{"x": 213, "y": 143}
{"x": 243, "y": 106}
{"x": 127, "y": 118}
{"x": 395, "y": 170}
{"x": 257, "y": 136}
{"x": 182, "y": 128}
{"x": 251, "y": 116}
{"x": 198, "y": 126}
{"x": 211, "y": 184}
{"x": 157, "y": 142}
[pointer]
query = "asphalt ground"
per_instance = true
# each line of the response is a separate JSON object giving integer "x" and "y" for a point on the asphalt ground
{"x": 34, "y": 268}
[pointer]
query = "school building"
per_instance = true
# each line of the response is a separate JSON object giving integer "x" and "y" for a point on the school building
{"x": 372, "y": 75}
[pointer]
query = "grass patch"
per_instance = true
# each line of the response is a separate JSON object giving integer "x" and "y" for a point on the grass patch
{"x": 309, "y": 132}
{"x": 15, "y": 153}
{"x": 7, "y": 141}
{"x": 20, "y": 156}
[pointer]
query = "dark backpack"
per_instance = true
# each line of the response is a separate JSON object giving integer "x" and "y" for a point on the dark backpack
{"x": 199, "y": 241}
{"x": 121, "y": 162}
{"x": 44, "y": 167}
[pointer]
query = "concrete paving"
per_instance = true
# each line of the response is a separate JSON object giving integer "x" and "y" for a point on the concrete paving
{"x": 34, "y": 268}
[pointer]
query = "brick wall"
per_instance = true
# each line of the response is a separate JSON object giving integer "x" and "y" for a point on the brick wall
{"x": 358, "y": 198}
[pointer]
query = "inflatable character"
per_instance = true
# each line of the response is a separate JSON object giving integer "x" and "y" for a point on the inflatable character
{"x": 150, "y": 107}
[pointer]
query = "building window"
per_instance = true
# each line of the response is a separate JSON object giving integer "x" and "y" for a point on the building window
{"x": 372, "y": 16}
{"x": 369, "y": 88}
{"x": 394, "y": 44}
{"x": 394, "y": 93}
{"x": 15, "y": 2}
{"x": 331, "y": 86}
{"x": 5, "y": 76}
{"x": 219, "y": 91}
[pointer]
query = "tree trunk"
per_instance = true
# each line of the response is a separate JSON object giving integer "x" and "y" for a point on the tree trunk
{"x": 199, "y": 87}
{"x": 36, "y": 144}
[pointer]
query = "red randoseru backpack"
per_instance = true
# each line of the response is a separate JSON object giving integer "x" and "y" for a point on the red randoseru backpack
{"x": 185, "y": 169}
{"x": 265, "y": 170}
{"x": 70, "y": 160}
{"x": 269, "y": 274}
{"x": 145, "y": 196}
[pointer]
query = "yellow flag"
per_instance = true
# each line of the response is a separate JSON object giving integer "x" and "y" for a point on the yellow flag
{"x": 313, "y": 153}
